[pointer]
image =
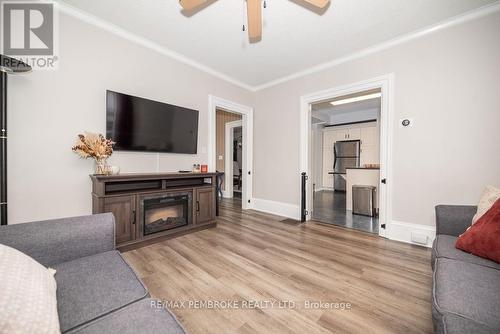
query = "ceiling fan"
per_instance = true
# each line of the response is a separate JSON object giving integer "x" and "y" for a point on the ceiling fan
{"x": 254, "y": 13}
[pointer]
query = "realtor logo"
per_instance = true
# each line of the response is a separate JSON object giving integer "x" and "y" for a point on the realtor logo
{"x": 28, "y": 32}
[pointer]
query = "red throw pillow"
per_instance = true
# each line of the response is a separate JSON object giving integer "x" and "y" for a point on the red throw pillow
{"x": 483, "y": 238}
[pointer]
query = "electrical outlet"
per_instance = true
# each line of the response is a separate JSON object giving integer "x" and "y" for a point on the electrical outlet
{"x": 221, "y": 157}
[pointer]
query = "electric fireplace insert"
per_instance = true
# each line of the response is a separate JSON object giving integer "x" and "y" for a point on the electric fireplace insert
{"x": 166, "y": 212}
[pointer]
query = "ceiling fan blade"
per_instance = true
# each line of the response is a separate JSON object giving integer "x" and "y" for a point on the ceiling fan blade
{"x": 191, "y": 4}
{"x": 318, "y": 3}
{"x": 254, "y": 18}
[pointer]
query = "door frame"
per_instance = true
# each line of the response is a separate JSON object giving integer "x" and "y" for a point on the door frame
{"x": 228, "y": 152}
{"x": 246, "y": 112}
{"x": 386, "y": 84}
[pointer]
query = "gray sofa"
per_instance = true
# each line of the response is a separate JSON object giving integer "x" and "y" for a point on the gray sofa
{"x": 97, "y": 291}
{"x": 466, "y": 288}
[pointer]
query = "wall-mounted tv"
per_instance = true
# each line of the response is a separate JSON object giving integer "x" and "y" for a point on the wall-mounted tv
{"x": 138, "y": 124}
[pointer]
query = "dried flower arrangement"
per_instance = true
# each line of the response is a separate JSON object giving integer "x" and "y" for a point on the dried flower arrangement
{"x": 95, "y": 146}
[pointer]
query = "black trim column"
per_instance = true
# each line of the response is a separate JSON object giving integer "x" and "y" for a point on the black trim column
{"x": 303, "y": 190}
{"x": 3, "y": 148}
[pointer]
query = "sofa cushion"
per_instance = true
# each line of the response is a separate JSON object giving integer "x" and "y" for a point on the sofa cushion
{"x": 92, "y": 286}
{"x": 444, "y": 246}
{"x": 453, "y": 324}
{"x": 466, "y": 290}
{"x": 483, "y": 238}
{"x": 28, "y": 301}
{"x": 488, "y": 198}
{"x": 139, "y": 317}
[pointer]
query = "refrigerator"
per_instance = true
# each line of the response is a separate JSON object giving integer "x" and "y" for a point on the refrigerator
{"x": 345, "y": 154}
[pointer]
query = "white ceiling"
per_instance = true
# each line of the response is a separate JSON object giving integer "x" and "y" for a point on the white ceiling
{"x": 324, "y": 111}
{"x": 348, "y": 107}
{"x": 294, "y": 37}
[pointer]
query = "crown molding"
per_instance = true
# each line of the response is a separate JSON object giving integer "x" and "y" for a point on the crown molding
{"x": 114, "y": 29}
{"x": 118, "y": 31}
{"x": 456, "y": 20}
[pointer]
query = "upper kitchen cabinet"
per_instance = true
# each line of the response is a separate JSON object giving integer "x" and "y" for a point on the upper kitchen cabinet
{"x": 348, "y": 134}
{"x": 369, "y": 135}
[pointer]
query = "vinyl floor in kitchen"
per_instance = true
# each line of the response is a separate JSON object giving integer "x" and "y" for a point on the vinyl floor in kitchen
{"x": 329, "y": 207}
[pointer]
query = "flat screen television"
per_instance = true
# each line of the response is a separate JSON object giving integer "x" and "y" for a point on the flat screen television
{"x": 138, "y": 124}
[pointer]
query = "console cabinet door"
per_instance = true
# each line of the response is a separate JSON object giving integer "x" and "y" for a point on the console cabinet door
{"x": 205, "y": 205}
{"x": 123, "y": 208}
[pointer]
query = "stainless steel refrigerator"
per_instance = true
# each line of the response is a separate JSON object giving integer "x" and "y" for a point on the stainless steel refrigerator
{"x": 345, "y": 154}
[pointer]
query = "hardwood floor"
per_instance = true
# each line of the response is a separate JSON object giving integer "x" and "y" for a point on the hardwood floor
{"x": 251, "y": 256}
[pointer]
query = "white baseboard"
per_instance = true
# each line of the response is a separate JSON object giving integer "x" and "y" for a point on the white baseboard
{"x": 404, "y": 232}
{"x": 276, "y": 208}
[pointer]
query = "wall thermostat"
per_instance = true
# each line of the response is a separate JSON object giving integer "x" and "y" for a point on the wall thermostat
{"x": 406, "y": 122}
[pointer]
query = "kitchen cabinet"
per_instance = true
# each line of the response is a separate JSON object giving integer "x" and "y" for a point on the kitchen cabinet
{"x": 348, "y": 134}
{"x": 369, "y": 135}
{"x": 370, "y": 145}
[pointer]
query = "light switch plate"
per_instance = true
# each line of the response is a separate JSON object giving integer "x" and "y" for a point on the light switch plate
{"x": 221, "y": 157}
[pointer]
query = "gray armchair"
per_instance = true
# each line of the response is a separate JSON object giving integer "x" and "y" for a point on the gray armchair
{"x": 97, "y": 291}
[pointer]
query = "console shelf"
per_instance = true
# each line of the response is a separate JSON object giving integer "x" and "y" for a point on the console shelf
{"x": 123, "y": 195}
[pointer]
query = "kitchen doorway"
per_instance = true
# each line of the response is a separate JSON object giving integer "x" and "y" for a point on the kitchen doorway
{"x": 378, "y": 191}
{"x": 345, "y": 160}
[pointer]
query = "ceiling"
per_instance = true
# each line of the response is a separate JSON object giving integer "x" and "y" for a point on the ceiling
{"x": 323, "y": 111}
{"x": 294, "y": 37}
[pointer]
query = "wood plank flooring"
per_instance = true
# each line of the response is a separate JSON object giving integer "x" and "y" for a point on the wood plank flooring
{"x": 252, "y": 256}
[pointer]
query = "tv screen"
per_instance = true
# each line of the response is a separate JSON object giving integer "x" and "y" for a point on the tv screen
{"x": 137, "y": 124}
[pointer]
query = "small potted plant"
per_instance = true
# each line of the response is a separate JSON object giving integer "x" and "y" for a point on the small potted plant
{"x": 97, "y": 147}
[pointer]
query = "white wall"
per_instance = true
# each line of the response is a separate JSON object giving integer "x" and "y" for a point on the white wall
{"x": 48, "y": 109}
{"x": 447, "y": 81}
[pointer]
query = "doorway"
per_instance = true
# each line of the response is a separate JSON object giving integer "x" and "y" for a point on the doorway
{"x": 230, "y": 148}
{"x": 383, "y": 85}
{"x": 229, "y": 142}
{"x": 345, "y": 141}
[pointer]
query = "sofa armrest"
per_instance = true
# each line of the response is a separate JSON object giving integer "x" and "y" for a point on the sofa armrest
{"x": 454, "y": 219}
{"x": 55, "y": 241}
